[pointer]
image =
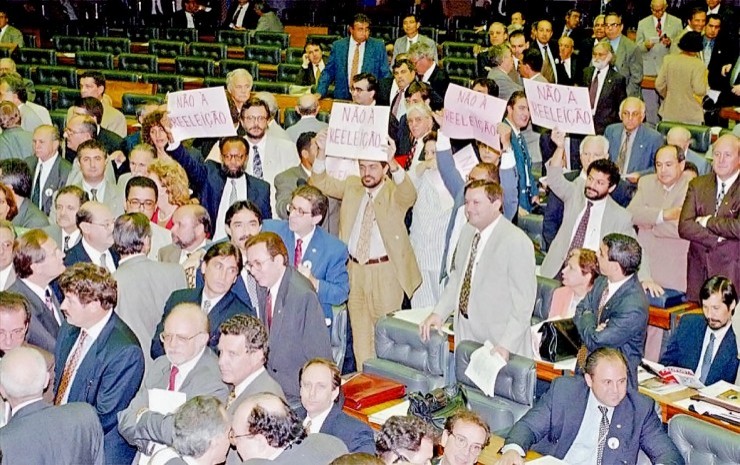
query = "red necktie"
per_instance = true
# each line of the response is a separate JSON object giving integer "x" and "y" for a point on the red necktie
{"x": 298, "y": 257}
{"x": 173, "y": 374}
{"x": 659, "y": 29}
{"x": 268, "y": 309}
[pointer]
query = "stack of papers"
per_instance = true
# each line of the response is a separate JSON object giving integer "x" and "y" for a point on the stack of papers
{"x": 379, "y": 418}
{"x": 484, "y": 366}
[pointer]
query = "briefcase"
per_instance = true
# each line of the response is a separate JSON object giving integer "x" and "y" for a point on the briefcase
{"x": 560, "y": 340}
{"x": 670, "y": 298}
{"x": 365, "y": 390}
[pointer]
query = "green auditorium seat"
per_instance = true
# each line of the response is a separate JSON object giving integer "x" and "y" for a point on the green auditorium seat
{"x": 287, "y": 72}
{"x": 114, "y": 45}
{"x": 37, "y": 56}
{"x": 140, "y": 63}
{"x": 471, "y": 37}
{"x": 275, "y": 39}
{"x": 181, "y": 35}
{"x": 71, "y": 44}
{"x": 263, "y": 54}
{"x": 461, "y": 67}
{"x": 207, "y": 50}
{"x": 56, "y": 76}
{"x": 192, "y": 66}
{"x": 94, "y": 60}
{"x": 272, "y": 87}
{"x": 167, "y": 48}
{"x": 294, "y": 55}
{"x": 457, "y": 50}
{"x": 116, "y": 75}
{"x": 130, "y": 101}
{"x": 230, "y": 65}
{"x": 326, "y": 41}
{"x": 233, "y": 38}
{"x": 142, "y": 34}
{"x": 165, "y": 82}
{"x": 66, "y": 98}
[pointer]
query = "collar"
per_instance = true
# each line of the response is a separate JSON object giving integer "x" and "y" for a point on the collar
{"x": 184, "y": 369}
{"x": 87, "y": 186}
{"x": 514, "y": 130}
{"x": 715, "y": 10}
{"x": 729, "y": 182}
{"x": 239, "y": 388}
{"x": 317, "y": 421}
{"x": 202, "y": 245}
{"x": 306, "y": 239}
{"x": 429, "y": 72}
{"x": 615, "y": 43}
{"x": 123, "y": 260}
{"x": 92, "y": 252}
{"x": 593, "y": 405}
{"x": 50, "y": 162}
{"x": 719, "y": 334}
{"x": 39, "y": 291}
{"x": 94, "y": 331}
{"x": 15, "y": 409}
{"x": 488, "y": 230}
{"x": 614, "y": 286}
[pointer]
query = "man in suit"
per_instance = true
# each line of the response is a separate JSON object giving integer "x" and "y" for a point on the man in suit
{"x": 220, "y": 267}
{"x": 727, "y": 13}
{"x": 592, "y": 419}
{"x": 92, "y": 84}
{"x": 95, "y": 222}
{"x": 364, "y": 89}
{"x": 655, "y": 34}
{"x": 372, "y": 225}
{"x": 7, "y": 270}
{"x": 632, "y": 144}
{"x": 289, "y": 309}
{"x": 98, "y": 359}
{"x": 8, "y": 33}
{"x": 543, "y": 45}
{"x": 391, "y": 90}
{"x": 50, "y": 170}
{"x": 421, "y": 55}
{"x": 655, "y": 210}
{"x": 95, "y": 180}
{"x": 67, "y": 203}
{"x": 719, "y": 54}
{"x": 709, "y": 218}
{"x": 502, "y": 65}
{"x": 308, "y": 108}
{"x": 531, "y": 65}
{"x": 241, "y": 16}
{"x": 38, "y": 262}
{"x": 681, "y": 137}
{"x": 321, "y": 407}
{"x": 628, "y": 59}
{"x": 141, "y": 197}
{"x": 566, "y": 66}
{"x": 313, "y": 252}
{"x": 358, "y": 53}
{"x": 33, "y": 115}
{"x": 411, "y": 27}
{"x": 191, "y": 224}
{"x": 268, "y": 19}
{"x": 143, "y": 284}
{"x": 517, "y": 179}
{"x": 706, "y": 343}
{"x": 23, "y": 378}
{"x": 193, "y": 15}
{"x": 508, "y": 276}
{"x": 15, "y": 174}
{"x": 188, "y": 367}
{"x": 265, "y": 431}
{"x": 464, "y": 436}
{"x": 609, "y": 86}
{"x": 312, "y": 65}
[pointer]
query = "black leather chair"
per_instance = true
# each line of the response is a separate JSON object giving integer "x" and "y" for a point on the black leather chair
{"x": 165, "y": 82}
{"x": 214, "y": 82}
{"x": 167, "y": 48}
{"x": 326, "y": 40}
{"x": 287, "y": 72}
{"x": 67, "y": 44}
{"x": 94, "y": 60}
{"x": 30, "y": 40}
{"x": 272, "y": 87}
{"x": 273, "y": 39}
{"x": 463, "y": 67}
{"x": 56, "y": 76}
{"x": 457, "y": 50}
{"x": 207, "y": 50}
{"x": 125, "y": 76}
{"x": 191, "y": 66}
{"x": 37, "y": 56}
{"x": 471, "y": 37}
{"x": 388, "y": 34}
{"x": 66, "y": 98}
{"x": 142, "y": 34}
{"x": 265, "y": 54}
{"x": 294, "y": 55}
{"x": 43, "y": 96}
{"x": 130, "y": 101}
{"x": 58, "y": 119}
{"x": 233, "y": 38}
{"x": 701, "y": 136}
{"x": 230, "y": 65}
{"x": 181, "y": 35}
{"x": 114, "y": 45}
{"x": 25, "y": 71}
{"x": 136, "y": 62}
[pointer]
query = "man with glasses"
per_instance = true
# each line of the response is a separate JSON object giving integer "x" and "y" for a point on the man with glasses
{"x": 364, "y": 89}
{"x": 421, "y": 55}
{"x": 290, "y": 310}
{"x": 465, "y": 435}
{"x": 221, "y": 266}
{"x": 95, "y": 222}
{"x": 628, "y": 59}
{"x": 141, "y": 197}
{"x": 188, "y": 367}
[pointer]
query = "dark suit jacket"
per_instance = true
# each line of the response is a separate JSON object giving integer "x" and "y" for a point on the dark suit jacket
{"x": 374, "y": 61}
{"x": 202, "y": 20}
{"x": 646, "y": 142}
{"x": 43, "y": 328}
{"x": 29, "y": 216}
{"x": 39, "y": 424}
{"x": 724, "y": 52}
{"x": 250, "y": 17}
{"x": 440, "y": 81}
{"x": 296, "y": 317}
{"x": 613, "y": 92}
{"x": 685, "y": 348}
{"x": 356, "y": 435}
{"x": 210, "y": 182}
{"x": 714, "y": 250}
{"x": 554, "y": 422}
{"x": 228, "y": 306}
{"x": 305, "y": 76}
{"x": 314, "y": 449}
{"x": 107, "y": 378}
{"x": 627, "y": 312}
{"x": 56, "y": 180}
{"x": 78, "y": 254}
{"x": 574, "y": 71}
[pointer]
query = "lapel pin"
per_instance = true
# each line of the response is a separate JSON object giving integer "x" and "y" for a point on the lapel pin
{"x": 307, "y": 264}
{"x": 48, "y": 192}
{"x": 613, "y": 443}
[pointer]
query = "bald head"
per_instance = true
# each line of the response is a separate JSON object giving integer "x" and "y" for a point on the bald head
{"x": 23, "y": 375}
{"x": 190, "y": 313}
{"x": 185, "y": 333}
{"x": 308, "y": 104}
{"x": 679, "y": 136}
{"x": 7, "y": 65}
{"x": 45, "y": 142}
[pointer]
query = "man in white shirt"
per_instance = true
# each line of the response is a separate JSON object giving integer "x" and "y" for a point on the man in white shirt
{"x": 411, "y": 36}
{"x": 92, "y": 84}
{"x": 68, "y": 201}
{"x": 95, "y": 221}
{"x": 96, "y": 181}
{"x": 312, "y": 65}
{"x": 141, "y": 197}
{"x": 543, "y": 44}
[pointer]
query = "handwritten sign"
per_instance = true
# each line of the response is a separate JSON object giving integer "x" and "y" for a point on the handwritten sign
{"x": 341, "y": 168}
{"x": 473, "y": 115}
{"x": 200, "y": 113}
{"x": 358, "y": 132}
{"x": 556, "y": 106}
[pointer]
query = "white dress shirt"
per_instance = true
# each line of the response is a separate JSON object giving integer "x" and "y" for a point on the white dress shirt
{"x": 95, "y": 256}
{"x": 184, "y": 369}
{"x": 592, "y": 240}
{"x": 223, "y": 206}
{"x": 316, "y": 422}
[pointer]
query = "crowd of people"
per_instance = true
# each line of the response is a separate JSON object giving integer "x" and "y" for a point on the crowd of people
{"x": 168, "y": 301}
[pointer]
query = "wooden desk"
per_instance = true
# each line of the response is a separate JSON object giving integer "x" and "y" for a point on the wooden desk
{"x": 664, "y": 317}
{"x": 298, "y": 34}
{"x": 116, "y": 89}
{"x": 664, "y": 400}
{"x": 730, "y": 113}
{"x": 672, "y": 410}
{"x": 547, "y": 372}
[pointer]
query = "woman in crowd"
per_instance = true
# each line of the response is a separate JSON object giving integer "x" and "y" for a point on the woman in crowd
{"x": 172, "y": 184}
{"x": 421, "y": 123}
{"x": 8, "y": 208}
{"x": 578, "y": 275}
{"x": 682, "y": 82}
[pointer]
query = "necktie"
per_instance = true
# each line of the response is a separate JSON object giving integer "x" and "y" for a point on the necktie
{"x": 173, "y": 375}
{"x": 622, "y": 157}
{"x": 317, "y": 72}
{"x": 594, "y": 88}
{"x": 50, "y": 304}
{"x": 66, "y": 243}
{"x": 720, "y": 197}
{"x": 465, "y": 289}
{"x": 527, "y": 162}
{"x": 103, "y": 261}
{"x": 94, "y": 194}
{"x": 189, "y": 272}
{"x": 396, "y": 104}
{"x": 233, "y": 196}
{"x": 366, "y": 230}
{"x": 659, "y": 28}
{"x": 256, "y": 163}
{"x": 706, "y": 361}
{"x": 230, "y": 400}
{"x": 252, "y": 291}
{"x": 298, "y": 257}
{"x": 236, "y": 14}
{"x": 580, "y": 235}
{"x": 603, "y": 432}
{"x": 268, "y": 309}
{"x": 36, "y": 194}
{"x": 70, "y": 367}
{"x": 547, "y": 71}
{"x": 355, "y": 62}
{"x": 206, "y": 306}
{"x": 583, "y": 351}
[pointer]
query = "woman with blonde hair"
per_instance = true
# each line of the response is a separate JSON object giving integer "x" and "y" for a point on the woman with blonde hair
{"x": 173, "y": 190}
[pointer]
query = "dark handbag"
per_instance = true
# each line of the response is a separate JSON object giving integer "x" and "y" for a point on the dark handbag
{"x": 436, "y": 406}
{"x": 560, "y": 340}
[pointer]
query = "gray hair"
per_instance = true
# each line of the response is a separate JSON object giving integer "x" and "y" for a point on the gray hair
{"x": 600, "y": 139}
{"x": 607, "y": 46}
{"x": 236, "y": 73}
{"x": 198, "y": 422}
{"x": 421, "y": 108}
{"x": 130, "y": 232}
{"x": 421, "y": 50}
{"x": 271, "y": 102}
{"x": 497, "y": 53}
{"x": 23, "y": 373}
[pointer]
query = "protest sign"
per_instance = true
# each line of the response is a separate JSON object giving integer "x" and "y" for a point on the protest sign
{"x": 200, "y": 113}
{"x": 555, "y": 106}
{"x": 358, "y": 132}
{"x": 473, "y": 115}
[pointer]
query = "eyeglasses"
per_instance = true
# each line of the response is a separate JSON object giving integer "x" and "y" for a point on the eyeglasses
{"x": 463, "y": 443}
{"x": 631, "y": 114}
{"x": 233, "y": 156}
{"x": 106, "y": 224}
{"x": 612, "y": 24}
{"x": 251, "y": 118}
{"x": 13, "y": 334}
{"x": 136, "y": 203}
{"x": 257, "y": 264}
{"x": 233, "y": 436}
{"x": 168, "y": 338}
{"x": 299, "y": 211}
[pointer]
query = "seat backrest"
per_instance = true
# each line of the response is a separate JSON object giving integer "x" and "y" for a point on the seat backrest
{"x": 398, "y": 341}
{"x": 167, "y": 48}
{"x": 388, "y": 34}
{"x": 266, "y": 54}
{"x": 57, "y": 76}
{"x": 230, "y": 65}
{"x": 191, "y": 66}
{"x": 130, "y": 101}
{"x": 114, "y": 45}
{"x": 702, "y": 443}
{"x": 287, "y": 72}
{"x": 43, "y": 96}
{"x": 37, "y": 56}
{"x": 545, "y": 288}
{"x": 71, "y": 44}
{"x": 515, "y": 382}
{"x": 24, "y": 71}
{"x": 233, "y": 38}
{"x": 290, "y": 117}
{"x": 463, "y": 67}
{"x": 431, "y": 32}
{"x": 165, "y": 82}
{"x": 294, "y": 55}
{"x": 207, "y": 50}
{"x": 272, "y": 87}
{"x": 142, "y": 34}
{"x": 461, "y": 81}
{"x": 124, "y": 76}
{"x": 59, "y": 119}
{"x": 701, "y": 136}
{"x": 181, "y": 34}
{"x": 470, "y": 36}
{"x": 339, "y": 334}
{"x": 457, "y": 50}
{"x": 275, "y": 39}
{"x": 214, "y": 82}
{"x": 94, "y": 60}
{"x": 136, "y": 62}
{"x": 30, "y": 40}
{"x": 66, "y": 98}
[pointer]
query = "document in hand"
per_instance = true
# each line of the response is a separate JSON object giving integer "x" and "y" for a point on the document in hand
{"x": 484, "y": 367}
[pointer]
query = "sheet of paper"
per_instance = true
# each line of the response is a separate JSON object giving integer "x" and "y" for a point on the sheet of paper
{"x": 718, "y": 388}
{"x": 713, "y": 94}
{"x": 414, "y": 315}
{"x": 340, "y": 168}
{"x": 165, "y": 402}
{"x": 484, "y": 367}
{"x": 200, "y": 113}
{"x": 465, "y": 160}
{"x": 381, "y": 417}
{"x": 567, "y": 364}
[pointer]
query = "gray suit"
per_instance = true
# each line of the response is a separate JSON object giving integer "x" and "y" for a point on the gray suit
{"x": 29, "y": 216}
{"x": 56, "y": 180}
{"x": 269, "y": 22}
{"x": 506, "y": 86}
{"x": 305, "y": 124}
{"x": 16, "y": 143}
{"x": 503, "y": 289}
{"x": 316, "y": 449}
{"x": 653, "y": 58}
{"x": 161, "y": 238}
{"x": 628, "y": 61}
{"x": 203, "y": 380}
{"x": 402, "y": 46}
{"x": 33, "y": 435}
{"x": 30, "y": 118}
{"x": 144, "y": 286}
